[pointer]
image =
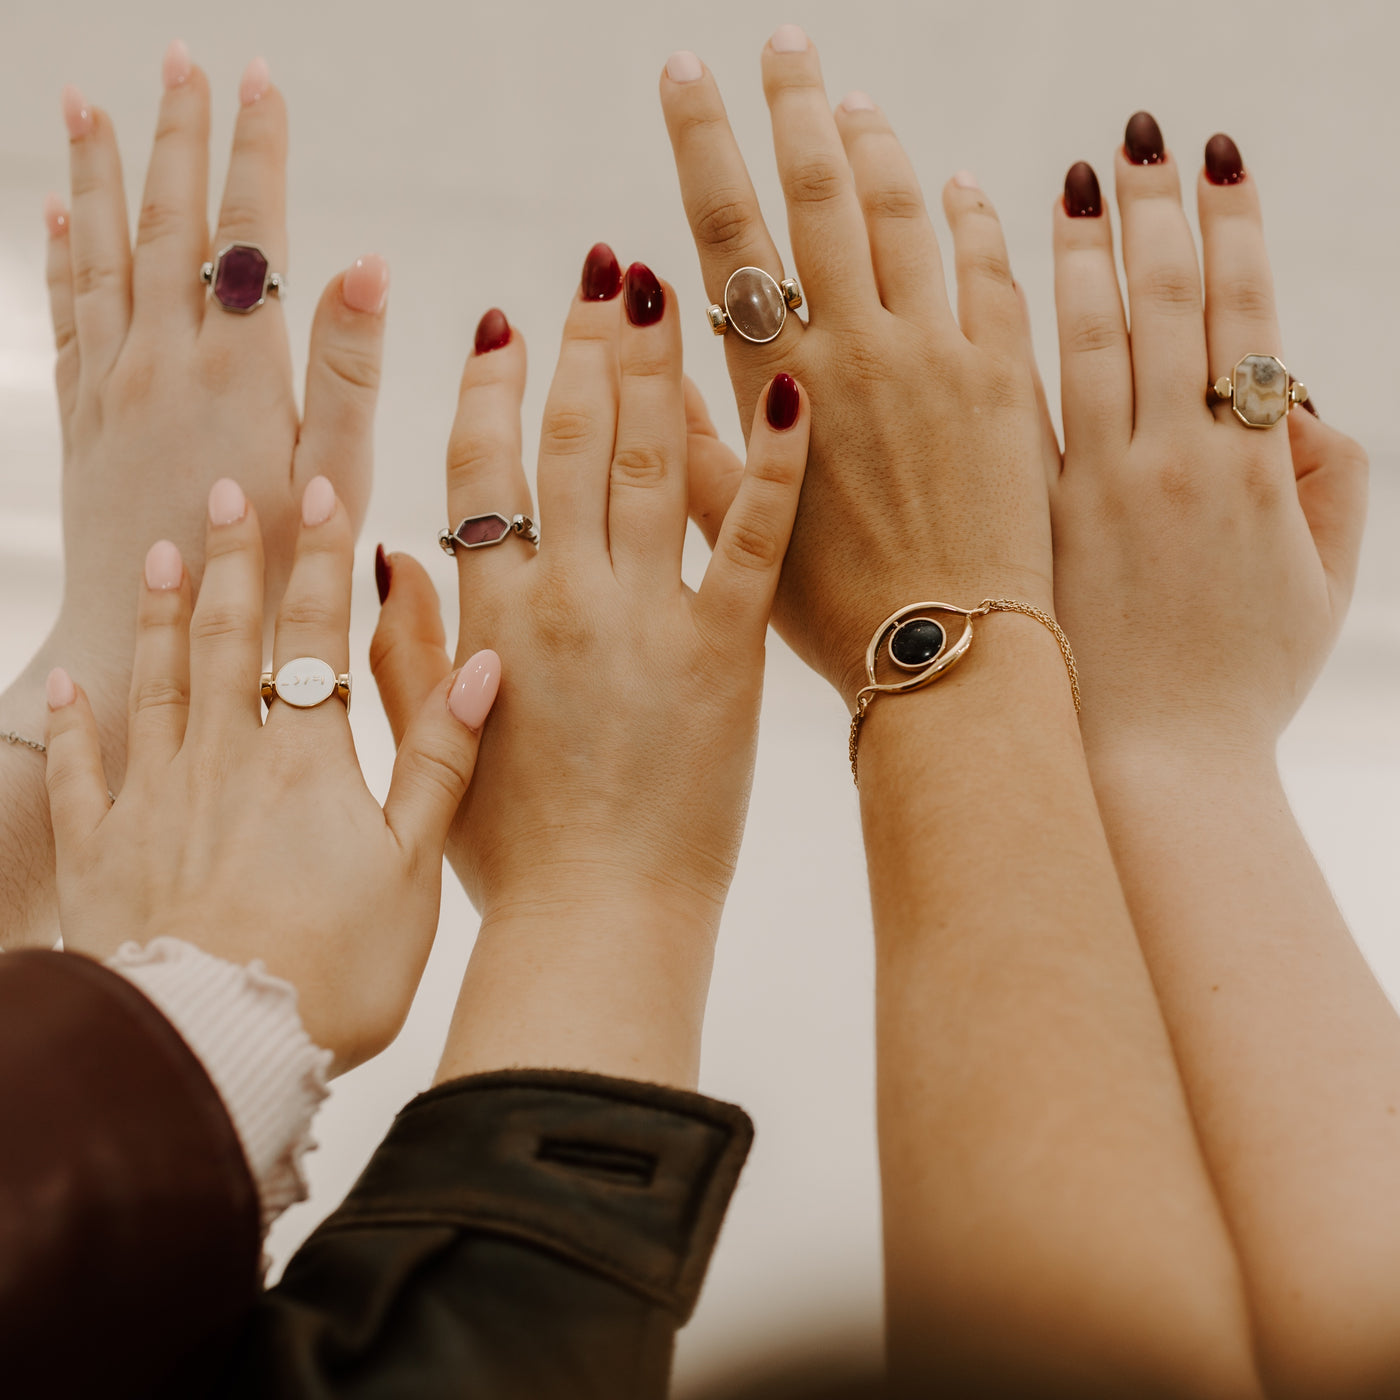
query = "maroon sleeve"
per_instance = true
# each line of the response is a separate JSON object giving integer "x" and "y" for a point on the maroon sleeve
{"x": 129, "y": 1231}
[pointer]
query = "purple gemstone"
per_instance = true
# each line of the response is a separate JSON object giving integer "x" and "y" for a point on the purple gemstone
{"x": 241, "y": 277}
{"x": 483, "y": 529}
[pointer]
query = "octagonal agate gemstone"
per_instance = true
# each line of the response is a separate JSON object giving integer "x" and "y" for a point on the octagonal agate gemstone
{"x": 916, "y": 643}
{"x": 240, "y": 280}
{"x": 1261, "y": 390}
{"x": 305, "y": 682}
{"x": 483, "y": 529}
{"x": 754, "y": 304}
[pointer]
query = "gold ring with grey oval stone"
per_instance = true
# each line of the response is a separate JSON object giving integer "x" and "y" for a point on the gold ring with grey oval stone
{"x": 1259, "y": 390}
{"x": 755, "y": 304}
{"x": 306, "y": 682}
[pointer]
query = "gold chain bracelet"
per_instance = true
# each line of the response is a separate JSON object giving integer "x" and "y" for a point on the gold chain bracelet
{"x": 919, "y": 644}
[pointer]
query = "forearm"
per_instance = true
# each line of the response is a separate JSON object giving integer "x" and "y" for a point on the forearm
{"x": 1048, "y": 1217}
{"x": 1288, "y": 1047}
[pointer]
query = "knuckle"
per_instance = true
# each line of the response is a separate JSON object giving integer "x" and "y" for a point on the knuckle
{"x": 569, "y": 428}
{"x": 240, "y": 217}
{"x": 355, "y": 366}
{"x": 723, "y": 220}
{"x": 474, "y": 453}
{"x": 748, "y": 545}
{"x": 815, "y": 182}
{"x": 1171, "y": 288}
{"x": 436, "y": 773}
{"x": 1180, "y": 484}
{"x": 987, "y": 265}
{"x": 1093, "y": 331}
{"x": 894, "y": 202}
{"x": 309, "y": 614}
{"x": 1261, "y": 479}
{"x": 157, "y": 221}
{"x": 218, "y": 623}
{"x": 640, "y": 464}
{"x": 157, "y": 693}
{"x": 92, "y": 276}
{"x": 1245, "y": 297}
{"x": 130, "y": 383}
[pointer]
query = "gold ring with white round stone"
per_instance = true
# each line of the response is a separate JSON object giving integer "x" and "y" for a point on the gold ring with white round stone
{"x": 306, "y": 682}
{"x": 1259, "y": 390}
{"x": 756, "y": 304}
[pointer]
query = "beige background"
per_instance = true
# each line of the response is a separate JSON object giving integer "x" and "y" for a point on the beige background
{"x": 482, "y": 149}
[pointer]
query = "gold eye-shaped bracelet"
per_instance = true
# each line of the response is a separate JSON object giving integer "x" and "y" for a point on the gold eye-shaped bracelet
{"x": 922, "y": 646}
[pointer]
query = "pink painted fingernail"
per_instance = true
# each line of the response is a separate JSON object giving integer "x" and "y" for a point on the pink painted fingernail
{"x": 789, "y": 38}
{"x": 365, "y": 285}
{"x": 76, "y": 113}
{"x": 175, "y": 66}
{"x": 59, "y": 689}
{"x": 474, "y": 691}
{"x": 857, "y": 101}
{"x": 255, "y": 82}
{"x": 966, "y": 180}
{"x": 317, "y": 501}
{"x": 55, "y": 216}
{"x": 227, "y": 503}
{"x": 164, "y": 567}
{"x": 683, "y": 67}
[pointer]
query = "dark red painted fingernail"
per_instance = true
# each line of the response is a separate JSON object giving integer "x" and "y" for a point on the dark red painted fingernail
{"x": 784, "y": 402}
{"x": 1224, "y": 164}
{"x": 383, "y": 573}
{"x": 1142, "y": 140}
{"x": 602, "y": 277}
{"x": 642, "y": 296}
{"x": 492, "y": 331}
{"x": 1311, "y": 407}
{"x": 1082, "y": 199}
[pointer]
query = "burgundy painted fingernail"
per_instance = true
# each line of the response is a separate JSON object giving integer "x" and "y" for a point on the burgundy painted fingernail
{"x": 602, "y": 275}
{"x": 1224, "y": 164}
{"x": 1082, "y": 199}
{"x": 492, "y": 331}
{"x": 784, "y": 402}
{"x": 1311, "y": 407}
{"x": 1142, "y": 140}
{"x": 383, "y": 573}
{"x": 642, "y": 296}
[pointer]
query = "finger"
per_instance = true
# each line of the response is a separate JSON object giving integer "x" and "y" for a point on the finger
{"x": 713, "y": 472}
{"x": 485, "y": 473}
{"x": 988, "y": 310}
{"x": 903, "y": 246}
{"x": 172, "y": 232}
{"x": 1049, "y": 443}
{"x": 647, "y": 490}
{"x": 1331, "y": 471}
{"x": 1096, "y": 365}
{"x": 342, "y": 385}
{"x": 226, "y": 630}
{"x": 1165, "y": 307}
{"x": 160, "y": 673}
{"x": 723, "y": 213}
{"x": 437, "y": 757}
{"x": 408, "y": 652}
{"x": 77, "y": 785}
{"x": 59, "y": 274}
{"x": 99, "y": 244}
{"x": 737, "y": 592}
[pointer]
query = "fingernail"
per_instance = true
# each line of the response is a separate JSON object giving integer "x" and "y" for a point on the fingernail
{"x": 1224, "y": 164}
{"x": 857, "y": 101}
{"x": 1142, "y": 140}
{"x": 59, "y": 689}
{"x": 474, "y": 691}
{"x": 642, "y": 296}
{"x": 492, "y": 331}
{"x": 684, "y": 67}
{"x": 966, "y": 180}
{"x": 317, "y": 501}
{"x": 1311, "y": 407}
{"x": 789, "y": 38}
{"x": 55, "y": 216}
{"x": 784, "y": 402}
{"x": 383, "y": 574}
{"x": 164, "y": 567}
{"x": 255, "y": 82}
{"x": 175, "y": 66}
{"x": 227, "y": 503}
{"x": 76, "y": 113}
{"x": 1082, "y": 198}
{"x": 602, "y": 276}
{"x": 365, "y": 285}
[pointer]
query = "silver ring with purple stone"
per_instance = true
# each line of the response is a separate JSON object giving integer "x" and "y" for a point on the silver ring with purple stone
{"x": 241, "y": 277}
{"x": 482, "y": 531}
{"x": 756, "y": 305}
{"x": 1259, "y": 390}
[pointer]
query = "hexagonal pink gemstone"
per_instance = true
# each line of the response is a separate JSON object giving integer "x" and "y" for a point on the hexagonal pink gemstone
{"x": 241, "y": 278}
{"x": 483, "y": 529}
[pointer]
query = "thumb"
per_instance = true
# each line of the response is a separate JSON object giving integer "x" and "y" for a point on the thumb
{"x": 1330, "y": 469}
{"x": 713, "y": 472}
{"x": 408, "y": 652}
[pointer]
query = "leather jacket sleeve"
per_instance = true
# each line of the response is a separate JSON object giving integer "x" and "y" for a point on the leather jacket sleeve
{"x": 129, "y": 1233}
{"x": 529, "y": 1233}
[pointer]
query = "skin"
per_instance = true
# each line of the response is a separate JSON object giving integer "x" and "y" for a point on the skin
{"x": 601, "y": 836}
{"x": 215, "y": 839}
{"x": 162, "y": 392}
{"x": 1050, "y": 1226}
{"x": 1204, "y": 570}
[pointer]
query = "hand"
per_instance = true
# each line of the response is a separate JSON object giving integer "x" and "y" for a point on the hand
{"x": 928, "y": 469}
{"x": 1202, "y": 568}
{"x": 261, "y": 840}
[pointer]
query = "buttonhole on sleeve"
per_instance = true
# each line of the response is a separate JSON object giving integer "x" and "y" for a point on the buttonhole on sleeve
{"x": 620, "y": 1165}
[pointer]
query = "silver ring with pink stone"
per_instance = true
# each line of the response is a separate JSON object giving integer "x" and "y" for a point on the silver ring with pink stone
{"x": 1259, "y": 390}
{"x": 482, "y": 531}
{"x": 756, "y": 305}
{"x": 241, "y": 277}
